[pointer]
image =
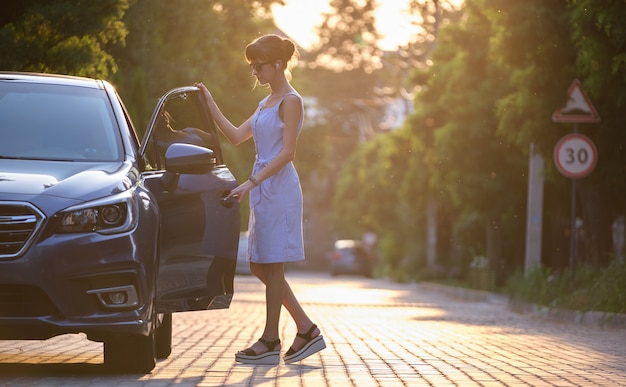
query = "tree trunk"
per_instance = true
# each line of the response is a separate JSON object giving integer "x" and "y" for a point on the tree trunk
{"x": 493, "y": 244}
{"x": 595, "y": 236}
{"x": 431, "y": 237}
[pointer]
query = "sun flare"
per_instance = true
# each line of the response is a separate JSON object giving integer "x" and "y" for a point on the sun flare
{"x": 299, "y": 18}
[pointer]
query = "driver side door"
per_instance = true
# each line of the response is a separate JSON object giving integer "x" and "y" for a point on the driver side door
{"x": 199, "y": 232}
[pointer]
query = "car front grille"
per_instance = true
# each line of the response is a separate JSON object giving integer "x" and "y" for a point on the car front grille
{"x": 19, "y": 222}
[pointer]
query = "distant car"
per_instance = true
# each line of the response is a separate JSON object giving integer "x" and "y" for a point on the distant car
{"x": 243, "y": 266}
{"x": 101, "y": 233}
{"x": 350, "y": 257}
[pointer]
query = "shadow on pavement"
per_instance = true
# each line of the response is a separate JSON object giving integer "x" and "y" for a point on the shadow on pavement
{"x": 53, "y": 369}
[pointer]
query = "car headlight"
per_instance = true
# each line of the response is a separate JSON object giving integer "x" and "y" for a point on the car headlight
{"x": 107, "y": 216}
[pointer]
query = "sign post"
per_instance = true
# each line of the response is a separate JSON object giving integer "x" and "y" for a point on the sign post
{"x": 575, "y": 155}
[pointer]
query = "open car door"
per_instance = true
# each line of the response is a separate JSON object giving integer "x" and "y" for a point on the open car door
{"x": 199, "y": 231}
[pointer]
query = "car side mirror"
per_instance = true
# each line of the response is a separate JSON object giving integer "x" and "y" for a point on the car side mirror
{"x": 189, "y": 159}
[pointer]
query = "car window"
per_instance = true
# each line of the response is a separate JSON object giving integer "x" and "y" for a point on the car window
{"x": 181, "y": 119}
{"x": 55, "y": 122}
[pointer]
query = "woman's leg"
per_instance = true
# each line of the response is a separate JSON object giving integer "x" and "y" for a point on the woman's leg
{"x": 274, "y": 289}
{"x": 289, "y": 300}
{"x": 273, "y": 276}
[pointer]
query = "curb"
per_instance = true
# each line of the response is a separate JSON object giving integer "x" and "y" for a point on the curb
{"x": 465, "y": 294}
{"x": 589, "y": 318}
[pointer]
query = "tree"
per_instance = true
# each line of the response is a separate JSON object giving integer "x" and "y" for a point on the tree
{"x": 340, "y": 74}
{"x": 546, "y": 45}
{"x": 354, "y": 81}
{"x": 599, "y": 36}
{"x": 532, "y": 39}
{"x": 469, "y": 168}
{"x": 496, "y": 78}
{"x": 62, "y": 36}
{"x": 371, "y": 196}
{"x": 176, "y": 43}
{"x": 430, "y": 16}
{"x": 532, "y": 42}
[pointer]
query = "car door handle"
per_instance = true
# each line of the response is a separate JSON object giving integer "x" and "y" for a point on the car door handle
{"x": 228, "y": 201}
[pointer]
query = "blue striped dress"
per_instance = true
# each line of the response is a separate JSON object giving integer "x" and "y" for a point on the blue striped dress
{"x": 275, "y": 226}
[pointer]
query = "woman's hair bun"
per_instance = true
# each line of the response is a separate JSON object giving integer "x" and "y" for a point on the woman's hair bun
{"x": 271, "y": 47}
{"x": 290, "y": 48}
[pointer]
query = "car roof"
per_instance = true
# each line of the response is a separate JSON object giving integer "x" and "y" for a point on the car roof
{"x": 53, "y": 79}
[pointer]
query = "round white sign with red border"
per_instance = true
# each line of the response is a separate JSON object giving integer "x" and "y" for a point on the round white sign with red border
{"x": 575, "y": 156}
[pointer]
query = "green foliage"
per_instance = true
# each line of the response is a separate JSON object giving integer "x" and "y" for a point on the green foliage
{"x": 377, "y": 183}
{"x": 177, "y": 43}
{"x": 471, "y": 161}
{"x": 532, "y": 40}
{"x": 345, "y": 107}
{"x": 62, "y": 36}
{"x": 475, "y": 174}
{"x": 496, "y": 77}
{"x": 589, "y": 288}
{"x": 599, "y": 35}
{"x": 540, "y": 286}
{"x": 367, "y": 187}
{"x": 608, "y": 290}
{"x": 396, "y": 263}
{"x": 371, "y": 196}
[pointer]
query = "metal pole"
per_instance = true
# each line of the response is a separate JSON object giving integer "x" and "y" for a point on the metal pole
{"x": 573, "y": 235}
{"x": 573, "y": 230}
{"x": 534, "y": 210}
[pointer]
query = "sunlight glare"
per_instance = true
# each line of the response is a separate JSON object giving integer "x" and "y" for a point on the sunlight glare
{"x": 299, "y": 19}
{"x": 395, "y": 24}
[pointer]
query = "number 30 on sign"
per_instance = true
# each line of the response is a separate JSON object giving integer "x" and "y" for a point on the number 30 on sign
{"x": 575, "y": 156}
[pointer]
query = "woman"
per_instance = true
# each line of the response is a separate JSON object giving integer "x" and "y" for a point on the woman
{"x": 275, "y": 226}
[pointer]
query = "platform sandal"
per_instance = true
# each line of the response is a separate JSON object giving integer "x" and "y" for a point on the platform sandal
{"x": 271, "y": 357}
{"x": 312, "y": 345}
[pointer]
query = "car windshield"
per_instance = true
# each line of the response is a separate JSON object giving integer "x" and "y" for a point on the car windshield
{"x": 54, "y": 122}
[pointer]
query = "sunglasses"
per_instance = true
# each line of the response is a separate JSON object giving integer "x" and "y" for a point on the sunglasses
{"x": 257, "y": 66}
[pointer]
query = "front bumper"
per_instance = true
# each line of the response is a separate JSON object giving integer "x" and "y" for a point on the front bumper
{"x": 72, "y": 283}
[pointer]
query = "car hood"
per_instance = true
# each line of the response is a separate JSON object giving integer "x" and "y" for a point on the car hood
{"x": 43, "y": 182}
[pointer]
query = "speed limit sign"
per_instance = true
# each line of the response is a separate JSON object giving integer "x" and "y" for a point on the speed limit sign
{"x": 575, "y": 155}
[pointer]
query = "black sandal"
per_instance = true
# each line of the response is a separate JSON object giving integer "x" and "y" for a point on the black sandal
{"x": 312, "y": 345}
{"x": 271, "y": 357}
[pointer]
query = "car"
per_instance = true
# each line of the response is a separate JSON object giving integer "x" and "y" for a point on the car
{"x": 350, "y": 257}
{"x": 101, "y": 233}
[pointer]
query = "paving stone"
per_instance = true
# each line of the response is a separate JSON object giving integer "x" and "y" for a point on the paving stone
{"x": 378, "y": 333}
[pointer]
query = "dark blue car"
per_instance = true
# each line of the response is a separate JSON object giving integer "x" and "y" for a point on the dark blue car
{"x": 101, "y": 233}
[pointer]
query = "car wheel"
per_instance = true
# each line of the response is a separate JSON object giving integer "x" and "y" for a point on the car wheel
{"x": 164, "y": 337}
{"x": 132, "y": 353}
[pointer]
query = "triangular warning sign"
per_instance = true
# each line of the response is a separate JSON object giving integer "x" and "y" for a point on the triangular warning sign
{"x": 578, "y": 107}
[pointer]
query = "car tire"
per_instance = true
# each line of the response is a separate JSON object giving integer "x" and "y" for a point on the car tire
{"x": 133, "y": 353}
{"x": 164, "y": 337}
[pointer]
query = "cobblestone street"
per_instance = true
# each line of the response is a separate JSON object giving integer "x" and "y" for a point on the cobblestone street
{"x": 378, "y": 333}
